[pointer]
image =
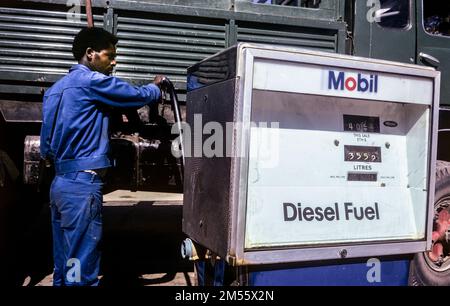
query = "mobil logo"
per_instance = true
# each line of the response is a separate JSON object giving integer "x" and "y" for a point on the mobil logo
{"x": 339, "y": 80}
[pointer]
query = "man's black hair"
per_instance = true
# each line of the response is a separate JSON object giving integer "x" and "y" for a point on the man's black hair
{"x": 95, "y": 38}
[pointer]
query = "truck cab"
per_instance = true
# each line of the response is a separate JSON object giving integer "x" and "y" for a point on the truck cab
{"x": 407, "y": 31}
{"x": 415, "y": 32}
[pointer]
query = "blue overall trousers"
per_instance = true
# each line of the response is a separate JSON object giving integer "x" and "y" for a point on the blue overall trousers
{"x": 76, "y": 208}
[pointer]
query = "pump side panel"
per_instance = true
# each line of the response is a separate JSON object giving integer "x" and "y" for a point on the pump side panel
{"x": 206, "y": 211}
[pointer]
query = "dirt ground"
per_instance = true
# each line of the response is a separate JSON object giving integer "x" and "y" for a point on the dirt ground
{"x": 141, "y": 244}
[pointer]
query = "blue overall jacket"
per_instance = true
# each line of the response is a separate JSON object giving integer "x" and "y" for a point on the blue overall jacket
{"x": 81, "y": 138}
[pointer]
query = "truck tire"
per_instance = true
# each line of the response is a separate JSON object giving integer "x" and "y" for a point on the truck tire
{"x": 424, "y": 271}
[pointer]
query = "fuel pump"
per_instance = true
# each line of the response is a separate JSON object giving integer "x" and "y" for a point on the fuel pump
{"x": 330, "y": 163}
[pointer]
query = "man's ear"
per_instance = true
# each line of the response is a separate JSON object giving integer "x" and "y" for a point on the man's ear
{"x": 90, "y": 53}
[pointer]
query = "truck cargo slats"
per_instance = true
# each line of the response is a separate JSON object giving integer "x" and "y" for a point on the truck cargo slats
{"x": 153, "y": 44}
{"x": 288, "y": 37}
{"x": 37, "y": 41}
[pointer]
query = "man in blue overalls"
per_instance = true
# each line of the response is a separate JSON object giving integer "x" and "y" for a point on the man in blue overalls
{"x": 75, "y": 137}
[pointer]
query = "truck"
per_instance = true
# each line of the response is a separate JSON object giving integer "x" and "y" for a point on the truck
{"x": 167, "y": 37}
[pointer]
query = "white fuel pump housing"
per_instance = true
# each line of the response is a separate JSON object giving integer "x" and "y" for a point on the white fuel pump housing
{"x": 329, "y": 156}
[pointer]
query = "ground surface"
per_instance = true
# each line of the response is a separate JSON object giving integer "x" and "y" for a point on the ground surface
{"x": 141, "y": 245}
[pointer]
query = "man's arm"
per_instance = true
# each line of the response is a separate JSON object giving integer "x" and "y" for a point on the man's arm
{"x": 45, "y": 130}
{"x": 44, "y": 147}
{"x": 117, "y": 93}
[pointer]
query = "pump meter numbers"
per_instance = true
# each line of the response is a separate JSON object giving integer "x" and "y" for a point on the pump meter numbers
{"x": 366, "y": 124}
{"x": 362, "y": 154}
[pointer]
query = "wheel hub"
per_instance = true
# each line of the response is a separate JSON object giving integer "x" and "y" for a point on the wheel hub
{"x": 439, "y": 257}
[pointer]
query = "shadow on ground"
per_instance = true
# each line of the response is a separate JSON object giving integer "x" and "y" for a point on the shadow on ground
{"x": 143, "y": 240}
{"x": 140, "y": 247}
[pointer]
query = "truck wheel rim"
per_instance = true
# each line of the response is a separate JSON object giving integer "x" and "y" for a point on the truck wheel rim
{"x": 438, "y": 258}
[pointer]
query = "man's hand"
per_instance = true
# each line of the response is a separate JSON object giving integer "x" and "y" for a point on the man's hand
{"x": 162, "y": 82}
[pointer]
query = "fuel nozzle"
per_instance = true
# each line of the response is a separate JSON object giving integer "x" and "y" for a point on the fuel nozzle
{"x": 166, "y": 84}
